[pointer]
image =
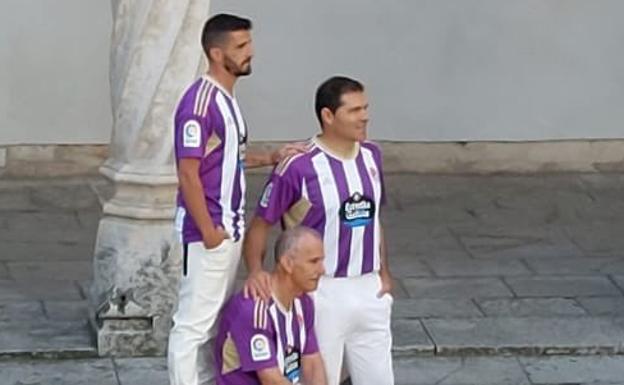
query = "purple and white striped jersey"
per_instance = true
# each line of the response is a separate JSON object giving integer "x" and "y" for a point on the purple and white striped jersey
{"x": 339, "y": 198}
{"x": 209, "y": 126}
{"x": 254, "y": 335}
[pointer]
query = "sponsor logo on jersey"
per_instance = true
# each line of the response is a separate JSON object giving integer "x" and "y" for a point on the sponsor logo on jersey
{"x": 357, "y": 210}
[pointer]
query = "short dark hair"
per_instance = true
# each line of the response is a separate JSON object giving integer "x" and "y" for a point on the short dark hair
{"x": 218, "y": 26}
{"x": 331, "y": 90}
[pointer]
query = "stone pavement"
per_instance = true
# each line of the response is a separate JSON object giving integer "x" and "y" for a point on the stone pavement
{"x": 485, "y": 265}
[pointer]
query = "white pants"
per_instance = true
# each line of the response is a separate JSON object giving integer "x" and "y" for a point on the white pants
{"x": 353, "y": 325}
{"x": 207, "y": 281}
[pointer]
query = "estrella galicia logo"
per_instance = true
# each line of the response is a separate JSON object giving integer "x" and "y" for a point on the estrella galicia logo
{"x": 358, "y": 210}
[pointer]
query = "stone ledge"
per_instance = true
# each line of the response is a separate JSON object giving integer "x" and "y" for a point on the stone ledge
{"x": 421, "y": 157}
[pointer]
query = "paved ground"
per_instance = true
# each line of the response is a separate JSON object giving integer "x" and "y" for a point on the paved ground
{"x": 488, "y": 266}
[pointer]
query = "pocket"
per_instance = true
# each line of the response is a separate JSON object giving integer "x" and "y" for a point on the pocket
{"x": 220, "y": 246}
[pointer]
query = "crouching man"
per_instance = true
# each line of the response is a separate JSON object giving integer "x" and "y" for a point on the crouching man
{"x": 273, "y": 342}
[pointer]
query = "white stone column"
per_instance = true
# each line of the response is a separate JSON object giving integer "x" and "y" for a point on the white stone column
{"x": 155, "y": 54}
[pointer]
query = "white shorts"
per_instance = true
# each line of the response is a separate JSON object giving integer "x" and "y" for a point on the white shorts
{"x": 353, "y": 325}
{"x": 207, "y": 281}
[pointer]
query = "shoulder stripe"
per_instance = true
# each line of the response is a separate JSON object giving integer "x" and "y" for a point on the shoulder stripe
{"x": 204, "y": 109}
{"x": 198, "y": 94}
{"x": 282, "y": 166}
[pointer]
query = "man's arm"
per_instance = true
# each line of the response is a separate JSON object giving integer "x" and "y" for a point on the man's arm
{"x": 193, "y": 193}
{"x": 259, "y": 158}
{"x": 313, "y": 370}
{"x": 384, "y": 271}
{"x": 272, "y": 376}
{"x": 258, "y": 283}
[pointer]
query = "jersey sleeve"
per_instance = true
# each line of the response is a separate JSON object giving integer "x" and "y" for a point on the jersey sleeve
{"x": 378, "y": 157}
{"x": 311, "y": 345}
{"x": 279, "y": 194}
{"x": 191, "y": 134}
{"x": 253, "y": 338}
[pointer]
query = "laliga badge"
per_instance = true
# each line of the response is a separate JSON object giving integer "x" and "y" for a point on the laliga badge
{"x": 260, "y": 349}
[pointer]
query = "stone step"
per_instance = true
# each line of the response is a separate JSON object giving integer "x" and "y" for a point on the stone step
{"x": 532, "y": 336}
{"x": 525, "y": 336}
{"x": 46, "y": 339}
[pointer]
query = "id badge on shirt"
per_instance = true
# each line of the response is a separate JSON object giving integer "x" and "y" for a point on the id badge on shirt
{"x": 292, "y": 367}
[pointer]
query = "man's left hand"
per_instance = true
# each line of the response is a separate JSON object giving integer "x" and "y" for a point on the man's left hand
{"x": 287, "y": 150}
{"x": 386, "y": 284}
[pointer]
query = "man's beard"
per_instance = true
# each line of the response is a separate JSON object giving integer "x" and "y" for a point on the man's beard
{"x": 237, "y": 70}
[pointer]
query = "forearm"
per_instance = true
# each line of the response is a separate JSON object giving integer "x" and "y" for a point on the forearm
{"x": 256, "y": 158}
{"x": 193, "y": 194}
{"x": 272, "y": 376}
{"x": 313, "y": 371}
{"x": 255, "y": 244}
{"x": 383, "y": 252}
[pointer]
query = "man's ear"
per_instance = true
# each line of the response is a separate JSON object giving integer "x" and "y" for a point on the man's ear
{"x": 215, "y": 54}
{"x": 327, "y": 116}
{"x": 287, "y": 264}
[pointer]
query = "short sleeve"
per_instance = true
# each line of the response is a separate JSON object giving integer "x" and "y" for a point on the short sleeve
{"x": 256, "y": 346}
{"x": 279, "y": 194}
{"x": 378, "y": 157}
{"x": 191, "y": 134}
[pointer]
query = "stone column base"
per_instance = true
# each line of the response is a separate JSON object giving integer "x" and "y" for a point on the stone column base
{"x": 136, "y": 270}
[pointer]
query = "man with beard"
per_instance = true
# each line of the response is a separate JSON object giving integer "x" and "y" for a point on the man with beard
{"x": 210, "y": 142}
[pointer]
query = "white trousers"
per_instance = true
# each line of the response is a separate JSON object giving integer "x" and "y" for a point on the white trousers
{"x": 353, "y": 325}
{"x": 207, "y": 281}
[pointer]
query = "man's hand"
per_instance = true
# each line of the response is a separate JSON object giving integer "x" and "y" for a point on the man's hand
{"x": 386, "y": 284}
{"x": 258, "y": 285}
{"x": 287, "y": 150}
{"x": 215, "y": 238}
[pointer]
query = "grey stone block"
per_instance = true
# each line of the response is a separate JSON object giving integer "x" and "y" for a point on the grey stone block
{"x": 517, "y": 241}
{"x": 38, "y": 290}
{"x": 408, "y": 267}
{"x": 455, "y": 287}
{"x": 410, "y": 338}
{"x": 405, "y": 239}
{"x": 66, "y": 310}
{"x": 74, "y": 372}
{"x": 466, "y": 267}
{"x": 574, "y": 370}
{"x": 4, "y": 271}
{"x": 577, "y": 266}
{"x": 133, "y": 371}
{"x": 47, "y": 251}
{"x": 41, "y": 227}
{"x": 57, "y": 270}
{"x": 563, "y": 286}
{"x": 531, "y": 307}
{"x": 599, "y": 239}
{"x": 600, "y": 306}
{"x": 459, "y": 371}
{"x": 579, "y": 335}
{"x": 14, "y": 313}
{"x": 436, "y": 308}
{"x": 41, "y": 336}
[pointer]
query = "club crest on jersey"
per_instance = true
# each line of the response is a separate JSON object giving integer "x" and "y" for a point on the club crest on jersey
{"x": 358, "y": 210}
{"x": 266, "y": 195}
{"x": 260, "y": 349}
{"x": 191, "y": 134}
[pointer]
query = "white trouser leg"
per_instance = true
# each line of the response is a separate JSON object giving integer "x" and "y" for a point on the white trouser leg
{"x": 369, "y": 345}
{"x": 203, "y": 289}
{"x": 330, "y": 330}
